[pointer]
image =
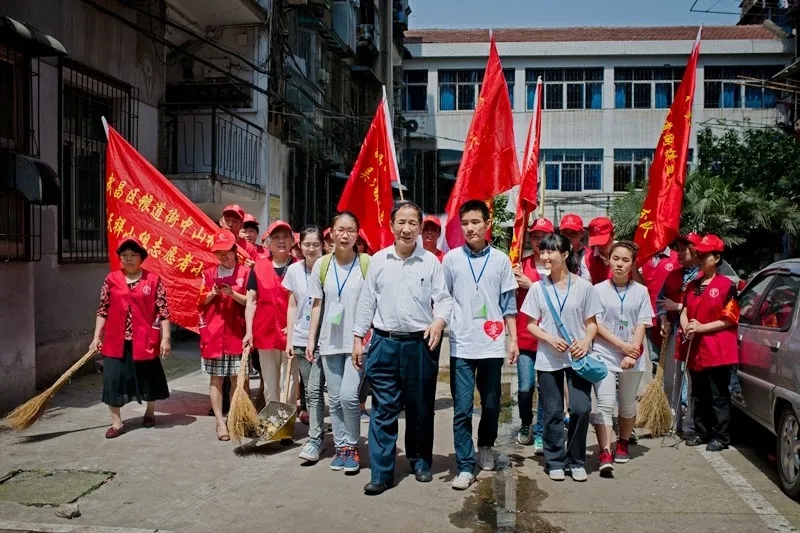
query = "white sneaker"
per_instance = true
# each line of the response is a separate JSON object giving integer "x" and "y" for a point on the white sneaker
{"x": 557, "y": 474}
{"x": 488, "y": 459}
{"x": 310, "y": 452}
{"x": 463, "y": 480}
{"x": 578, "y": 474}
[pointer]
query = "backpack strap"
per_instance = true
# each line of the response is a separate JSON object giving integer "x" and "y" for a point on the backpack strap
{"x": 363, "y": 261}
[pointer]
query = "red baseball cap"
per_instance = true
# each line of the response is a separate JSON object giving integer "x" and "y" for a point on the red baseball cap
{"x": 709, "y": 243}
{"x": 430, "y": 219}
{"x": 250, "y": 220}
{"x": 690, "y": 238}
{"x": 275, "y": 226}
{"x": 601, "y": 231}
{"x": 133, "y": 244}
{"x": 326, "y": 233}
{"x": 234, "y": 209}
{"x": 543, "y": 225}
{"x": 223, "y": 241}
{"x": 572, "y": 222}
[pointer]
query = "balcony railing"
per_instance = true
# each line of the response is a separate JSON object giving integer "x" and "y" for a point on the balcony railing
{"x": 213, "y": 141}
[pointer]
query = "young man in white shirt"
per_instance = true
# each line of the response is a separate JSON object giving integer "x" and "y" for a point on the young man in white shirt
{"x": 483, "y": 286}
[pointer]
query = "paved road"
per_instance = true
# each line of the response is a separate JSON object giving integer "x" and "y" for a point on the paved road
{"x": 178, "y": 477}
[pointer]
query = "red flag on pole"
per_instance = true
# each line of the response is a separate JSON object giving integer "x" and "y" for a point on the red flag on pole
{"x": 142, "y": 203}
{"x": 660, "y": 218}
{"x": 489, "y": 163}
{"x": 368, "y": 193}
{"x": 529, "y": 186}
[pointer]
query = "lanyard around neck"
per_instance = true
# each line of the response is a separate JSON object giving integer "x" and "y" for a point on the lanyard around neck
{"x": 621, "y": 298}
{"x": 483, "y": 268}
{"x": 339, "y": 287}
{"x": 560, "y": 303}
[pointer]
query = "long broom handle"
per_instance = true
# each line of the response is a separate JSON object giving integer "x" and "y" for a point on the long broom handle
{"x": 66, "y": 376}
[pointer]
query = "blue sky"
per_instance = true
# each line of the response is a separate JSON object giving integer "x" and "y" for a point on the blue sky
{"x": 540, "y": 13}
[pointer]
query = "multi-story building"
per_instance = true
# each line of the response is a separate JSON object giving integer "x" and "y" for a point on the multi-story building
{"x": 606, "y": 95}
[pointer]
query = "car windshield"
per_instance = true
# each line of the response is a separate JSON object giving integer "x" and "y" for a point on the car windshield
{"x": 725, "y": 269}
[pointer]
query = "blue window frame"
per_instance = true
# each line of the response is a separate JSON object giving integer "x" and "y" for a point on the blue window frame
{"x": 631, "y": 166}
{"x": 645, "y": 87}
{"x": 737, "y": 87}
{"x": 572, "y": 88}
{"x": 459, "y": 89}
{"x": 573, "y": 169}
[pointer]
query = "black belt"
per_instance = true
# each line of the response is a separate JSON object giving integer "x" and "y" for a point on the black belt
{"x": 400, "y": 335}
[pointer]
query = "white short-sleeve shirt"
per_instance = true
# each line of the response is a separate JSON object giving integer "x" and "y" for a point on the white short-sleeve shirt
{"x": 623, "y": 310}
{"x": 336, "y": 338}
{"x": 296, "y": 282}
{"x": 483, "y": 337}
{"x": 580, "y": 303}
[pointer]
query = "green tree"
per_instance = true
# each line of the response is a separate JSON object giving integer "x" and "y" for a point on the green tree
{"x": 501, "y": 236}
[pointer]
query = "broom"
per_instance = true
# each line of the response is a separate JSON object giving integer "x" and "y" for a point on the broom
{"x": 242, "y": 416}
{"x": 29, "y": 412}
{"x": 654, "y": 411}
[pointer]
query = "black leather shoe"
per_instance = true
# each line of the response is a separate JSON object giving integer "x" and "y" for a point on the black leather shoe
{"x": 696, "y": 441}
{"x": 373, "y": 488}
{"x": 423, "y": 476}
{"x": 716, "y": 446}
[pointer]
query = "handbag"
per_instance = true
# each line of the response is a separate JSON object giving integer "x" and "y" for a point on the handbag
{"x": 590, "y": 367}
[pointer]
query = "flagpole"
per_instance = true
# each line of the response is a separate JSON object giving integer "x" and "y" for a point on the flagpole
{"x": 542, "y": 188}
{"x": 105, "y": 125}
{"x": 390, "y": 137}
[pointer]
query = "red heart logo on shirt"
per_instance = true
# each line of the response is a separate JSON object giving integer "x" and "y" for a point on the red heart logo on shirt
{"x": 493, "y": 328}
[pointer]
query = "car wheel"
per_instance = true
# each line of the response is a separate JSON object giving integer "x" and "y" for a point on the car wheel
{"x": 789, "y": 452}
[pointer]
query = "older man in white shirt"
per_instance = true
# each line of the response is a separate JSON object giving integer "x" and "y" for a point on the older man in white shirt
{"x": 406, "y": 301}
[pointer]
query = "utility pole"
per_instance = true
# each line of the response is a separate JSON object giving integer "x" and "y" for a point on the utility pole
{"x": 386, "y": 11}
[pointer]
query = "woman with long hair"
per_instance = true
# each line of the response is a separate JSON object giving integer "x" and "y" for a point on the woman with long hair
{"x": 335, "y": 285}
{"x": 627, "y": 313}
{"x": 576, "y": 303}
{"x": 298, "y": 321}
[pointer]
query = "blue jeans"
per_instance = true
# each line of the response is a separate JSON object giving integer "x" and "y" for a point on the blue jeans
{"x": 402, "y": 375}
{"x": 314, "y": 379}
{"x": 465, "y": 375}
{"x": 343, "y": 383}
{"x": 526, "y": 377}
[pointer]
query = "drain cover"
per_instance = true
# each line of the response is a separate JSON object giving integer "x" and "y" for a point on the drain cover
{"x": 49, "y": 487}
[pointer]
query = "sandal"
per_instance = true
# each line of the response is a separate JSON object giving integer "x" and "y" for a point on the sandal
{"x": 148, "y": 421}
{"x": 223, "y": 437}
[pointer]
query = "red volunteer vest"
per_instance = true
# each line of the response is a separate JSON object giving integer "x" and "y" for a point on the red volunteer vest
{"x": 525, "y": 340}
{"x": 261, "y": 252}
{"x": 272, "y": 302}
{"x": 222, "y": 325}
{"x": 654, "y": 278}
{"x": 598, "y": 269}
{"x": 249, "y": 248}
{"x": 142, "y": 302}
{"x": 711, "y": 349}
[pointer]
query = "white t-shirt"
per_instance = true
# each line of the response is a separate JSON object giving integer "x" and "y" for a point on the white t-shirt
{"x": 622, "y": 312}
{"x": 580, "y": 303}
{"x": 296, "y": 282}
{"x": 477, "y": 328}
{"x": 336, "y": 338}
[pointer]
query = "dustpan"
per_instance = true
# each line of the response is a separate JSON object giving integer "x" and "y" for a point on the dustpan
{"x": 277, "y": 419}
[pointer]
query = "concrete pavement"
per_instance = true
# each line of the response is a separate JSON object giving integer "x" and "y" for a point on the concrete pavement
{"x": 178, "y": 477}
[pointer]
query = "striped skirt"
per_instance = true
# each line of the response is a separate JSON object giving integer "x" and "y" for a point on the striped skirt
{"x": 227, "y": 365}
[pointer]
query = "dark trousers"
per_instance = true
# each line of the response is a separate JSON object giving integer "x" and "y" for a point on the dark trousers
{"x": 712, "y": 402}
{"x": 402, "y": 375}
{"x": 551, "y": 387}
{"x": 465, "y": 374}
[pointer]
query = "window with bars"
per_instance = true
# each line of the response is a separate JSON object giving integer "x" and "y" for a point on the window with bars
{"x": 646, "y": 88}
{"x": 631, "y": 167}
{"x": 725, "y": 88}
{"x": 571, "y": 88}
{"x": 459, "y": 89}
{"x": 85, "y": 97}
{"x": 573, "y": 170}
{"x": 415, "y": 90}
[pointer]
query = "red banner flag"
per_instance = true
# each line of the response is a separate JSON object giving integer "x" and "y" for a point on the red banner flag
{"x": 529, "y": 186}
{"x": 660, "y": 218}
{"x": 142, "y": 203}
{"x": 368, "y": 193}
{"x": 489, "y": 163}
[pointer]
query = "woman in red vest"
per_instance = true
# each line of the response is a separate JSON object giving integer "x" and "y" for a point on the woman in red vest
{"x": 709, "y": 323}
{"x": 529, "y": 271}
{"x": 131, "y": 331}
{"x": 265, "y": 314}
{"x": 222, "y": 321}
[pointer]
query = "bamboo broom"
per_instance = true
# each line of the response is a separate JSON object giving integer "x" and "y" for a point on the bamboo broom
{"x": 654, "y": 411}
{"x": 242, "y": 416}
{"x": 29, "y": 412}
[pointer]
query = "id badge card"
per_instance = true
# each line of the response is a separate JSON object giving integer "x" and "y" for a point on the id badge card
{"x": 623, "y": 331}
{"x": 335, "y": 312}
{"x": 478, "y": 306}
{"x": 307, "y": 312}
